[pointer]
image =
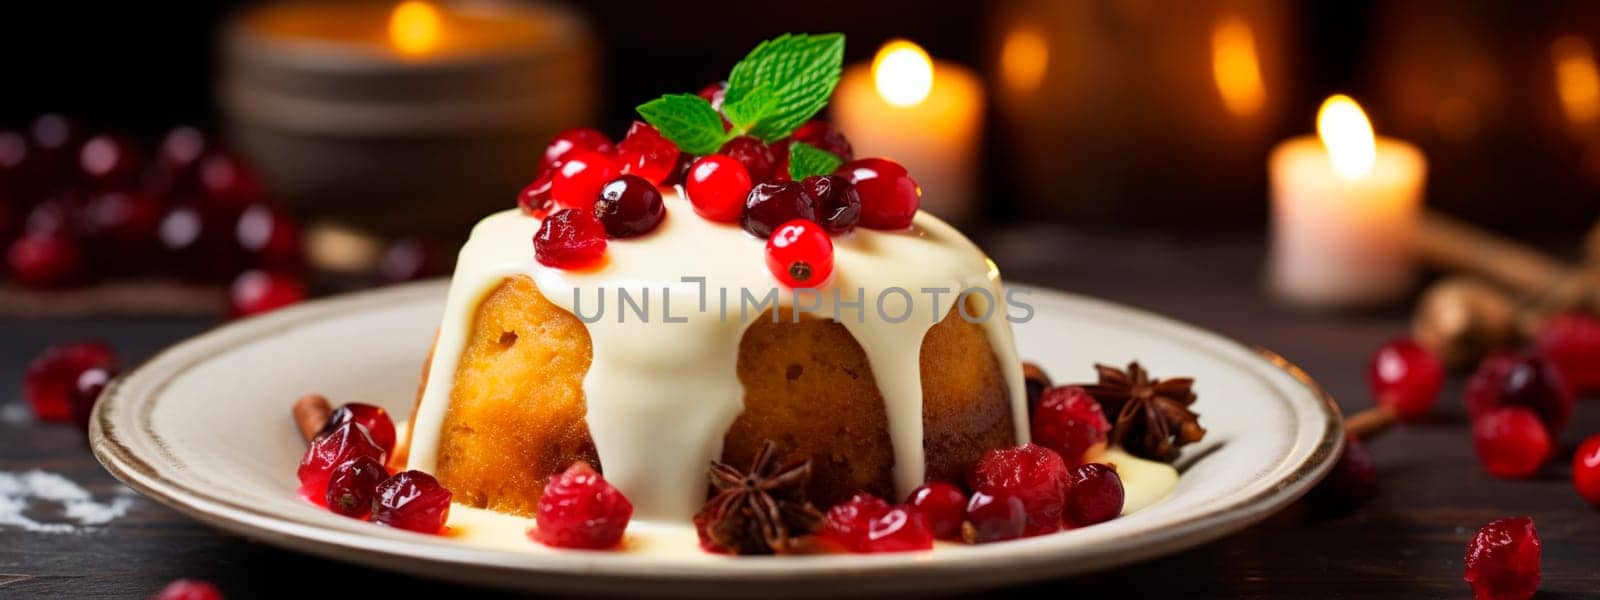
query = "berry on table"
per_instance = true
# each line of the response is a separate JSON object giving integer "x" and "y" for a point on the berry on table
{"x": 944, "y": 505}
{"x": 1031, "y": 472}
{"x": 86, "y": 391}
{"x": 52, "y": 378}
{"x": 577, "y": 182}
{"x": 838, "y": 204}
{"x": 800, "y": 254}
{"x": 1405, "y": 377}
{"x": 1571, "y": 342}
{"x": 1503, "y": 560}
{"x": 1353, "y": 481}
{"x": 571, "y": 141}
{"x": 413, "y": 501}
{"x": 354, "y": 485}
{"x": 774, "y": 203}
{"x": 758, "y": 158}
{"x": 373, "y": 419}
{"x": 45, "y": 260}
{"x": 188, "y": 589}
{"x": 889, "y": 196}
{"x": 580, "y": 509}
{"x": 255, "y": 292}
{"x": 570, "y": 239}
{"x": 1527, "y": 381}
{"x": 1511, "y": 441}
{"x": 1095, "y": 495}
{"x": 1069, "y": 421}
{"x": 629, "y": 206}
{"x": 326, "y": 452}
{"x": 717, "y": 187}
{"x": 646, "y": 154}
{"x": 994, "y": 518}
{"x": 1586, "y": 470}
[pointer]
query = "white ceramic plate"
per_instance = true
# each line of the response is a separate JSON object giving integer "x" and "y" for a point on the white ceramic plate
{"x": 204, "y": 428}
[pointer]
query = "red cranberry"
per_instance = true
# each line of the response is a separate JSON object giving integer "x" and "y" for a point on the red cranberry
{"x": 188, "y": 589}
{"x": 824, "y": 135}
{"x": 944, "y": 506}
{"x": 180, "y": 151}
{"x": 535, "y": 199}
{"x": 756, "y": 156}
{"x": 1069, "y": 421}
{"x": 1503, "y": 560}
{"x": 1353, "y": 481}
{"x": 353, "y": 486}
{"x": 52, "y": 378}
{"x": 646, "y": 154}
{"x": 1571, "y": 342}
{"x": 373, "y": 419}
{"x": 86, "y": 391}
{"x": 889, "y": 196}
{"x": 44, "y": 260}
{"x": 409, "y": 259}
{"x": 994, "y": 518}
{"x": 577, "y": 183}
{"x": 343, "y": 444}
{"x": 254, "y": 292}
{"x": 1586, "y": 469}
{"x": 1511, "y": 441}
{"x": 108, "y": 160}
{"x": 848, "y": 522}
{"x": 800, "y": 254}
{"x": 901, "y": 529}
{"x": 1095, "y": 495}
{"x": 121, "y": 228}
{"x": 1406, "y": 378}
{"x": 572, "y": 141}
{"x": 570, "y": 239}
{"x": 227, "y": 181}
{"x": 199, "y": 242}
{"x": 269, "y": 237}
{"x": 580, "y": 509}
{"x": 838, "y": 204}
{"x": 629, "y": 206}
{"x": 680, "y": 170}
{"x": 1528, "y": 381}
{"x": 717, "y": 187}
{"x": 714, "y": 92}
{"x": 1031, "y": 472}
{"x": 413, "y": 501}
{"x": 774, "y": 203}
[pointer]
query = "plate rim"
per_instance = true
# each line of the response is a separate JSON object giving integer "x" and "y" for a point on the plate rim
{"x": 602, "y": 572}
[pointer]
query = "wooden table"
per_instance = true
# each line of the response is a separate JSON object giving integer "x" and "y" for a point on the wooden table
{"x": 1407, "y": 543}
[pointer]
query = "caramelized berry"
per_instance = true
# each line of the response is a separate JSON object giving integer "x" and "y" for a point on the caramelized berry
{"x": 1095, "y": 495}
{"x": 345, "y": 443}
{"x": 629, "y": 206}
{"x": 994, "y": 518}
{"x": 373, "y": 419}
{"x": 944, "y": 506}
{"x": 717, "y": 186}
{"x": 800, "y": 254}
{"x": 646, "y": 154}
{"x": 354, "y": 485}
{"x": 757, "y": 157}
{"x": 1030, "y": 472}
{"x": 889, "y": 196}
{"x": 570, "y": 239}
{"x": 413, "y": 501}
{"x": 774, "y": 203}
{"x": 580, "y": 509}
{"x": 1503, "y": 560}
{"x": 1069, "y": 421}
{"x": 838, "y": 204}
{"x": 52, "y": 378}
{"x": 577, "y": 182}
{"x": 1511, "y": 441}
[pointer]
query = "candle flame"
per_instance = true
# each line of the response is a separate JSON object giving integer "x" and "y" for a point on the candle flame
{"x": 1577, "y": 79}
{"x": 1024, "y": 58}
{"x": 414, "y": 27}
{"x": 1235, "y": 67}
{"x": 903, "y": 73}
{"x": 1347, "y": 134}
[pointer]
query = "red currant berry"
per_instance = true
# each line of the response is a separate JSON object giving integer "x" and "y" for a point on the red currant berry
{"x": 800, "y": 254}
{"x": 848, "y": 522}
{"x": 1069, "y": 421}
{"x": 413, "y": 501}
{"x": 269, "y": 238}
{"x": 535, "y": 200}
{"x": 1511, "y": 442}
{"x": 254, "y": 292}
{"x": 577, "y": 183}
{"x": 1031, "y": 472}
{"x": 580, "y": 509}
{"x": 45, "y": 260}
{"x": 343, "y": 444}
{"x": 1406, "y": 378}
{"x": 717, "y": 187}
{"x": 944, "y": 506}
{"x": 889, "y": 196}
{"x": 571, "y": 141}
{"x": 228, "y": 182}
{"x": 1571, "y": 342}
{"x": 1527, "y": 381}
{"x": 373, "y": 419}
{"x": 1095, "y": 495}
{"x": 629, "y": 206}
{"x": 646, "y": 154}
{"x": 1353, "y": 481}
{"x": 120, "y": 227}
{"x": 1503, "y": 560}
{"x": 838, "y": 204}
{"x": 994, "y": 518}
{"x": 1586, "y": 470}
{"x": 188, "y": 589}
{"x": 52, "y": 378}
{"x": 774, "y": 203}
{"x": 756, "y": 156}
{"x": 86, "y": 391}
{"x": 570, "y": 239}
{"x": 824, "y": 135}
{"x": 713, "y": 93}
{"x": 108, "y": 160}
{"x": 353, "y": 486}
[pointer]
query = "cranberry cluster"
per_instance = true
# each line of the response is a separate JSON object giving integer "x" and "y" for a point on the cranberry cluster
{"x": 74, "y": 207}
{"x": 345, "y": 470}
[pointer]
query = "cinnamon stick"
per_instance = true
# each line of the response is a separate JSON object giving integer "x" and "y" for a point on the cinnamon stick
{"x": 311, "y": 413}
{"x": 1369, "y": 422}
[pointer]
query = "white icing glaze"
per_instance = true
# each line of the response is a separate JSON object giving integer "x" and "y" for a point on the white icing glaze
{"x": 661, "y": 394}
{"x": 1144, "y": 482}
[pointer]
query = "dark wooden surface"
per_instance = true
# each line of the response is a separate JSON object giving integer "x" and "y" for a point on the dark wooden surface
{"x": 1408, "y": 543}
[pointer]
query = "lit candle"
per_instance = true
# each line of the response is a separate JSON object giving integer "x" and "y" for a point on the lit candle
{"x": 1344, "y": 212}
{"x": 924, "y": 114}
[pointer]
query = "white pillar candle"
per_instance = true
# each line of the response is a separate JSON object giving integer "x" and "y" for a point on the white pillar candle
{"x": 926, "y": 115}
{"x": 1344, "y": 212}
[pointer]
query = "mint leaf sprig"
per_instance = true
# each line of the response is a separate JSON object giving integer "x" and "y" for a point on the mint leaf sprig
{"x": 778, "y": 86}
{"x": 806, "y": 160}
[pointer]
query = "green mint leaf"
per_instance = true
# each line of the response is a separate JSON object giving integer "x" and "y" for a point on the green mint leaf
{"x": 750, "y": 109}
{"x": 688, "y": 120}
{"x": 801, "y": 70}
{"x": 806, "y": 160}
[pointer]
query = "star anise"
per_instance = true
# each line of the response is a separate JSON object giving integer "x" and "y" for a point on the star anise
{"x": 760, "y": 511}
{"x": 1149, "y": 417}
